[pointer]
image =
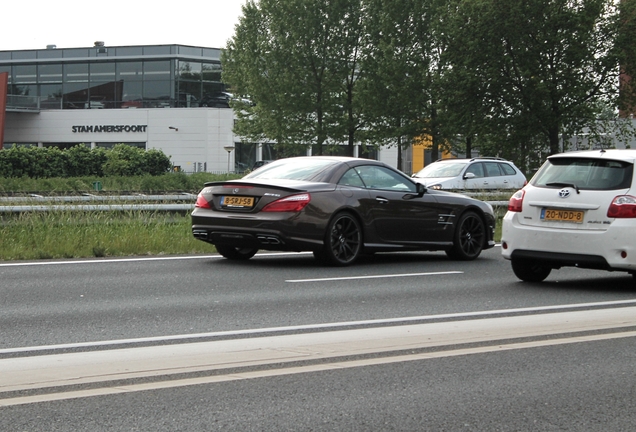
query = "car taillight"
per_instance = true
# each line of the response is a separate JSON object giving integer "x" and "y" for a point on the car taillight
{"x": 516, "y": 201}
{"x": 623, "y": 206}
{"x": 294, "y": 203}
{"x": 202, "y": 202}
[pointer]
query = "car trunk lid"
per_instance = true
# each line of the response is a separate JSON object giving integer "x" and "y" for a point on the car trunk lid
{"x": 567, "y": 208}
{"x": 253, "y": 196}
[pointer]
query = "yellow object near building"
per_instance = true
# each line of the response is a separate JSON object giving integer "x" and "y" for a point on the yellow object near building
{"x": 421, "y": 152}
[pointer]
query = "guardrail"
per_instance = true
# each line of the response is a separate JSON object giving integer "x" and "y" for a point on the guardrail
{"x": 105, "y": 207}
{"x": 159, "y": 203}
{"x": 108, "y": 198}
{"x": 157, "y": 206}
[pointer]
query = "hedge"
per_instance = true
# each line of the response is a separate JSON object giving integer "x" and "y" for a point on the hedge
{"x": 78, "y": 161}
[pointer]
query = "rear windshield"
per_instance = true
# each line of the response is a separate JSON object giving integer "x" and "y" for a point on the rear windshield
{"x": 585, "y": 173}
{"x": 304, "y": 169}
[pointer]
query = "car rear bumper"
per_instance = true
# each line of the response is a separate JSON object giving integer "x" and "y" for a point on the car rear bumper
{"x": 610, "y": 249}
{"x": 558, "y": 259}
{"x": 259, "y": 238}
{"x": 279, "y": 233}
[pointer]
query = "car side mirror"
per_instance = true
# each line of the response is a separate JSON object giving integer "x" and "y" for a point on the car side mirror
{"x": 469, "y": 175}
{"x": 421, "y": 190}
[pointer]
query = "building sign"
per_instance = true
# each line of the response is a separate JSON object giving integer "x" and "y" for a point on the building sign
{"x": 109, "y": 128}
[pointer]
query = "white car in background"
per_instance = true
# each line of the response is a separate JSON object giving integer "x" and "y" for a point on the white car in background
{"x": 467, "y": 174}
{"x": 579, "y": 210}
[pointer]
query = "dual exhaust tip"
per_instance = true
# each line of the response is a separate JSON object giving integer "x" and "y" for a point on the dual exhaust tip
{"x": 264, "y": 239}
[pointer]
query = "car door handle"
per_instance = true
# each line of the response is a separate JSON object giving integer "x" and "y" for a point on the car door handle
{"x": 382, "y": 200}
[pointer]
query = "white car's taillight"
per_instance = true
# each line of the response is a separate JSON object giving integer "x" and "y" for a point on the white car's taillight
{"x": 623, "y": 206}
{"x": 516, "y": 201}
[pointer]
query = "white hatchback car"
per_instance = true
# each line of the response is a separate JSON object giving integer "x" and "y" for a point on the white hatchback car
{"x": 578, "y": 210}
{"x": 467, "y": 174}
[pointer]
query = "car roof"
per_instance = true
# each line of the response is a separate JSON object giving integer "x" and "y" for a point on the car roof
{"x": 619, "y": 154}
{"x": 466, "y": 160}
{"x": 336, "y": 159}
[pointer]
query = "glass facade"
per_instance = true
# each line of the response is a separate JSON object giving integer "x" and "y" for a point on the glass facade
{"x": 101, "y": 77}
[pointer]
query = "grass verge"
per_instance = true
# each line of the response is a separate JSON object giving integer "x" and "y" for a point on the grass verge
{"x": 74, "y": 234}
{"x": 66, "y": 234}
{"x": 55, "y": 235}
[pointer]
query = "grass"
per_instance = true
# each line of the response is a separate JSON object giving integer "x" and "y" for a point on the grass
{"x": 64, "y": 235}
{"x": 76, "y": 234}
{"x": 55, "y": 235}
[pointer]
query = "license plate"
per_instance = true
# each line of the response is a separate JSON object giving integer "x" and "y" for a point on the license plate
{"x": 237, "y": 201}
{"x": 575, "y": 216}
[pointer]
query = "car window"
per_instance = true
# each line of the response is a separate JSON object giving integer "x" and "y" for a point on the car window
{"x": 585, "y": 173}
{"x": 377, "y": 177}
{"x": 351, "y": 178}
{"x": 444, "y": 169}
{"x": 300, "y": 169}
{"x": 492, "y": 169}
{"x": 477, "y": 169}
{"x": 507, "y": 169}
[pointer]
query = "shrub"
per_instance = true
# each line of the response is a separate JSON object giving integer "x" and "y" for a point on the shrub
{"x": 80, "y": 161}
{"x": 48, "y": 162}
{"x": 17, "y": 161}
{"x": 124, "y": 160}
{"x": 156, "y": 162}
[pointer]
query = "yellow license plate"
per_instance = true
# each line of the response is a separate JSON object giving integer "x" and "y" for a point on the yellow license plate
{"x": 237, "y": 201}
{"x": 575, "y": 216}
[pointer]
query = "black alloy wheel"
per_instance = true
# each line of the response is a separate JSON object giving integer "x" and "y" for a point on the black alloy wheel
{"x": 236, "y": 253}
{"x": 469, "y": 237}
{"x": 530, "y": 271}
{"x": 343, "y": 241}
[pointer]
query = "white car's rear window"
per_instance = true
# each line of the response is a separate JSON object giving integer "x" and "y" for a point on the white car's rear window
{"x": 585, "y": 173}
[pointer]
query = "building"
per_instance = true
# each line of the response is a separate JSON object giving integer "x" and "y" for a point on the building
{"x": 166, "y": 97}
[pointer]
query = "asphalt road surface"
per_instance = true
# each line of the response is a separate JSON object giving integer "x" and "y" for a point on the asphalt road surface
{"x": 403, "y": 342}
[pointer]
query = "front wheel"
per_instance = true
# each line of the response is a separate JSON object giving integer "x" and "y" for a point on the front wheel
{"x": 469, "y": 237}
{"x": 236, "y": 253}
{"x": 530, "y": 271}
{"x": 343, "y": 241}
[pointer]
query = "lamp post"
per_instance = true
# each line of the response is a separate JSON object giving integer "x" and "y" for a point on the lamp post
{"x": 228, "y": 149}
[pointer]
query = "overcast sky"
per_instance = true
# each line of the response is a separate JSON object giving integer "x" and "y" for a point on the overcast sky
{"x": 79, "y": 23}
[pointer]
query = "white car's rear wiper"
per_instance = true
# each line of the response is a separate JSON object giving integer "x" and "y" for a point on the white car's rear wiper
{"x": 559, "y": 184}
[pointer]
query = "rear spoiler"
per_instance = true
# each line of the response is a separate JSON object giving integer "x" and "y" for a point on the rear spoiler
{"x": 298, "y": 188}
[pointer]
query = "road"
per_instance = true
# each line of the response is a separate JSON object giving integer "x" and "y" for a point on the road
{"x": 408, "y": 341}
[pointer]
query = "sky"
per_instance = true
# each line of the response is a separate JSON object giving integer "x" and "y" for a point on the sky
{"x": 80, "y": 23}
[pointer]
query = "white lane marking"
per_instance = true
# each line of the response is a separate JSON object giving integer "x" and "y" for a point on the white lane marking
{"x": 247, "y": 332}
{"x": 374, "y": 276}
{"x": 138, "y": 259}
{"x": 338, "y": 365}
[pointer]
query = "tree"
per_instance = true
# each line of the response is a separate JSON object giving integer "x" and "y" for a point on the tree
{"x": 512, "y": 77}
{"x": 297, "y": 62}
{"x": 539, "y": 69}
{"x": 403, "y": 68}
